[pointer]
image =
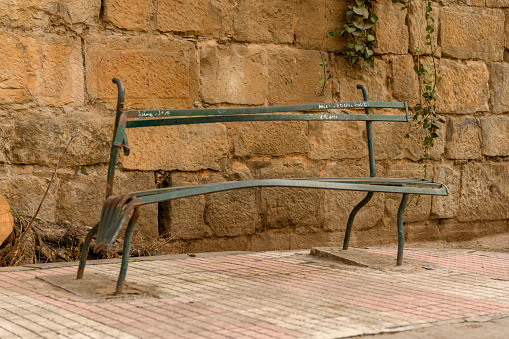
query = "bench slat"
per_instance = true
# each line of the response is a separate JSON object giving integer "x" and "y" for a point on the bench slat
{"x": 153, "y": 196}
{"x": 169, "y": 121}
{"x": 366, "y": 181}
{"x": 154, "y": 113}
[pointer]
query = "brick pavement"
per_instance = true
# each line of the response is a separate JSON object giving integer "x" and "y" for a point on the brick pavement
{"x": 284, "y": 294}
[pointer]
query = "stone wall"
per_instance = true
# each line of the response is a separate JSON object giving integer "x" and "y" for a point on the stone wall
{"x": 58, "y": 58}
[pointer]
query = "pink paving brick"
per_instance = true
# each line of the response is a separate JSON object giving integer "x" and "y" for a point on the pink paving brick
{"x": 487, "y": 264}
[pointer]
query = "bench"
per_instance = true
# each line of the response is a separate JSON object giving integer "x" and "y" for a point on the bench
{"x": 116, "y": 208}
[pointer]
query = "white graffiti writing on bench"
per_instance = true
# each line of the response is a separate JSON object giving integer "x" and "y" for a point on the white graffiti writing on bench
{"x": 357, "y": 104}
{"x": 347, "y": 117}
{"x": 148, "y": 114}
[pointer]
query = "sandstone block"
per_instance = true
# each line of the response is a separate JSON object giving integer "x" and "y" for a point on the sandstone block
{"x": 183, "y": 218}
{"x": 271, "y": 138}
{"x": 315, "y": 19}
{"x": 446, "y": 207}
{"x": 499, "y": 87}
{"x": 232, "y": 213}
{"x": 24, "y": 194}
{"x": 156, "y": 72}
{"x": 292, "y": 208}
{"x": 421, "y": 231}
{"x": 55, "y": 75}
{"x": 454, "y": 231}
{"x": 185, "y": 147}
{"x": 418, "y": 208}
{"x": 40, "y": 138}
{"x": 271, "y": 240}
{"x": 294, "y": 77}
{"x": 80, "y": 198}
{"x": 130, "y": 14}
{"x": 497, "y": 3}
{"x": 385, "y": 233}
{"x": 473, "y": 77}
{"x": 13, "y": 76}
{"x": 27, "y": 13}
{"x": 264, "y": 21}
{"x": 47, "y": 69}
{"x": 80, "y": 11}
{"x": 484, "y": 192}
{"x": 200, "y": 17}
{"x": 463, "y": 139}
{"x": 477, "y": 3}
{"x": 506, "y": 33}
{"x": 233, "y": 74}
{"x": 337, "y": 140}
{"x": 239, "y": 171}
{"x": 374, "y": 78}
{"x": 391, "y": 30}
{"x": 472, "y": 33}
{"x": 405, "y": 83}
{"x": 285, "y": 240}
{"x": 417, "y": 26}
{"x": 337, "y": 205}
{"x": 222, "y": 214}
{"x": 240, "y": 243}
{"x": 391, "y": 141}
{"x": 39, "y": 13}
{"x": 494, "y": 136}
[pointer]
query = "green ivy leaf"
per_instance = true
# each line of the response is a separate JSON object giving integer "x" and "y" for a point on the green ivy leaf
{"x": 349, "y": 16}
{"x": 350, "y": 30}
{"x": 368, "y": 24}
{"x": 370, "y": 62}
{"x": 359, "y": 24}
{"x": 361, "y": 10}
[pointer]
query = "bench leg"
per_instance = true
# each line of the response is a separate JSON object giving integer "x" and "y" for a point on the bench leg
{"x": 84, "y": 250}
{"x": 401, "y": 233}
{"x": 349, "y": 224}
{"x": 127, "y": 250}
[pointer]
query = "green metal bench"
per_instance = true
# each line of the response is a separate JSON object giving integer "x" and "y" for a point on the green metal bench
{"x": 117, "y": 208}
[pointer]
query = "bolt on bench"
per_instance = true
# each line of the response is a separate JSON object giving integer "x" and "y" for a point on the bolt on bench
{"x": 116, "y": 208}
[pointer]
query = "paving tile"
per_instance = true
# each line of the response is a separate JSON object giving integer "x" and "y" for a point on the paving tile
{"x": 264, "y": 295}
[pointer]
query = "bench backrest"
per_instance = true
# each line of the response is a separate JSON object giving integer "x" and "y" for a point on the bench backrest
{"x": 320, "y": 112}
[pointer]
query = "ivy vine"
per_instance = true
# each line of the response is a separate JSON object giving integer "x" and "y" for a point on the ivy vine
{"x": 429, "y": 74}
{"x": 358, "y": 29}
{"x": 326, "y": 75}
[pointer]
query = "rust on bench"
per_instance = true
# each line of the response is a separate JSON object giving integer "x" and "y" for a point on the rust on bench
{"x": 116, "y": 208}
